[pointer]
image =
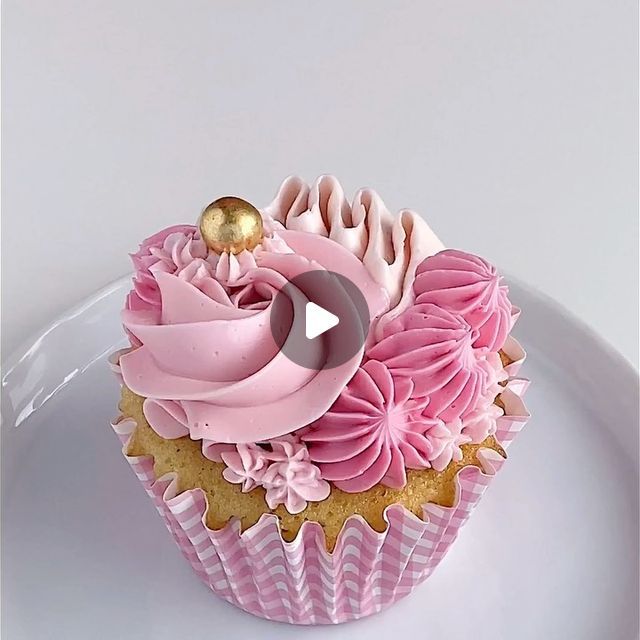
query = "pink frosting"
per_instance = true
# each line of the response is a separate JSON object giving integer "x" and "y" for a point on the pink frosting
{"x": 377, "y": 429}
{"x": 482, "y": 422}
{"x": 435, "y": 349}
{"x": 167, "y": 251}
{"x": 447, "y": 439}
{"x": 390, "y": 247}
{"x": 423, "y": 386}
{"x": 246, "y": 464}
{"x": 180, "y": 251}
{"x": 292, "y": 479}
{"x": 207, "y": 363}
{"x": 469, "y": 286}
{"x": 282, "y": 467}
{"x": 372, "y": 434}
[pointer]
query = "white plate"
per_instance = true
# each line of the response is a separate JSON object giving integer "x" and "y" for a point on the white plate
{"x": 551, "y": 552}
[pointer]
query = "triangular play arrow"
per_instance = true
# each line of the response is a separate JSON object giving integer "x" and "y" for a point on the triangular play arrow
{"x": 318, "y": 320}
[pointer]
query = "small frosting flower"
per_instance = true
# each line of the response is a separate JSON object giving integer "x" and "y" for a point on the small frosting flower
{"x": 446, "y": 440}
{"x": 246, "y": 465}
{"x": 482, "y": 422}
{"x": 435, "y": 349}
{"x": 292, "y": 479}
{"x": 372, "y": 433}
{"x": 282, "y": 467}
{"x": 469, "y": 286}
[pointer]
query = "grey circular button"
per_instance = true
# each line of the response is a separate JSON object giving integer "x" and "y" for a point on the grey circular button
{"x": 305, "y": 306}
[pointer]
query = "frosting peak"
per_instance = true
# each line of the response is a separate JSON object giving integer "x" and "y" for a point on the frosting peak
{"x": 469, "y": 286}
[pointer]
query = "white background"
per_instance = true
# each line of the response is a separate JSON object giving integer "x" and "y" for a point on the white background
{"x": 511, "y": 126}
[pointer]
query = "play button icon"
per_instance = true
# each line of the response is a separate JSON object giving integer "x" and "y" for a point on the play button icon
{"x": 319, "y": 319}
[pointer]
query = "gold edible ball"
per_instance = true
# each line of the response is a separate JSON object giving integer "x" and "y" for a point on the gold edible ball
{"x": 231, "y": 224}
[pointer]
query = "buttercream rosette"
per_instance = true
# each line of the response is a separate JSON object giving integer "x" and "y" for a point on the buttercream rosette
{"x": 437, "y": 372}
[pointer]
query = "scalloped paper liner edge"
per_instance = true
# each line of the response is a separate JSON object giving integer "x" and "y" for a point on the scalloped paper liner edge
{"x": 300, "y": 582}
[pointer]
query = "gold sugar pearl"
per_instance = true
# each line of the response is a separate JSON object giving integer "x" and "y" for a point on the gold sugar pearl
{"x": 231, "y": 224}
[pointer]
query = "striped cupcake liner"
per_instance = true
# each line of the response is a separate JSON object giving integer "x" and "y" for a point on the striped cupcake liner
{"x": 299, "y": 582}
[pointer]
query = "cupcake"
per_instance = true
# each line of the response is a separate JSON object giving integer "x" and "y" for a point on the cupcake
{"x": 315, "y": 473}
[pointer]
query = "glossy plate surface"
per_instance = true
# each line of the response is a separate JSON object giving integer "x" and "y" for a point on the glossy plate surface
{"x": 551, "y": 552}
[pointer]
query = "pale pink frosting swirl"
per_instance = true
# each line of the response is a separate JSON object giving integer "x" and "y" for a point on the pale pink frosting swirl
{"x": 469, "y": 286}
{"x": 207, "y": 363}
{"x": 435, "y": 349}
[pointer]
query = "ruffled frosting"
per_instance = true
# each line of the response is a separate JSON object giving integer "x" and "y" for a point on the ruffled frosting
{"x": 470, "y": 287}
{"x": 390, "y": 247}
{"x": 207, "y": 363}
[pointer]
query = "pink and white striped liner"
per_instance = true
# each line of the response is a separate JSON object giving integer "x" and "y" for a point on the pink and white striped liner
{"x": 300, "y": 582}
